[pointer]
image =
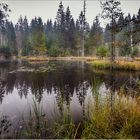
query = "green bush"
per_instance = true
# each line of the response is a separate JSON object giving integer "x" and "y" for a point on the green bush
{"x": 54, "y": 51}
{"x": 65, "y": 53}
{"x": 101, "y": 51}
{"x": 57, "y": 51}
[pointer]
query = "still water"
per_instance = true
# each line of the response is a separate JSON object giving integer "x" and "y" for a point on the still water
{"x": 58, "y": 86}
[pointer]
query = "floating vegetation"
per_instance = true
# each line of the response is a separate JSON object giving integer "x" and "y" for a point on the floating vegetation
{"x": 36, "y": 70}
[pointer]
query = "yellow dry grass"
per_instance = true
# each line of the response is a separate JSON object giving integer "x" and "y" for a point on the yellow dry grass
{"x": 118, "y": 64}
{"x": 45, "y": 58}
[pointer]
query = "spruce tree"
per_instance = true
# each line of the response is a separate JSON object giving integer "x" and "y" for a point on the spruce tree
{"x": 4, "y": 13}
{"x": 60, "y": 20}
{"x": 11, "y": 37}
{"x": 111, "y": 10}
{"x": 68, "y": 33}
{"x": 96, "y": 32}
{"x": 38, "y": 37}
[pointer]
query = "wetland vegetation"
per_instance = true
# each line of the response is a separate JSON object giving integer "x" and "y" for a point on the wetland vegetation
{"x": 70, "y": 79}
{"x": 68, "y": 99}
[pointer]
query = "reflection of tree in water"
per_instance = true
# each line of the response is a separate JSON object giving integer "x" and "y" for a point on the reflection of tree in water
{"x": 60, "y": 102}
{"x": 132, "y": 86}
{"x": 64, "y": 94}
{"x": 81, "y": 91}
{"x": 6, "y": 82}
{"x": 118, "y": 79}
{"x": 22, "y": 85}
{"x": 63, "y": 99}
{"x": 2, "y": 90}
{"x": 65, "y": 79}
{"x": 22, "y": 90}
{"x": 3, "y": 76}
{"x": 37, "y": 84}
{"x": 96, "y": 84}
{"x": 112, "y": 89}
{"x": 11, "y": 83}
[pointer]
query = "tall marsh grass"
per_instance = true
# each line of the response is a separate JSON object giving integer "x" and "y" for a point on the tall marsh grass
{"x": 118, "y": 65}
{"x": 103, "y": 121}
{"x": 122, "y": 120}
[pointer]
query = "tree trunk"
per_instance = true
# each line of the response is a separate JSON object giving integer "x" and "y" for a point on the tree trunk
{"x": 83, "y": 44}
{"x": 113, "y": 43}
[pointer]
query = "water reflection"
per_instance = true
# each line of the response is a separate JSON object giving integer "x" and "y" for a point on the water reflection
{"x": 65, "y": 82}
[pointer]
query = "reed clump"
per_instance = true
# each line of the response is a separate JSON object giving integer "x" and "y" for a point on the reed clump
{"x": 121, "y": 119}
{"x": 118, "y": 65}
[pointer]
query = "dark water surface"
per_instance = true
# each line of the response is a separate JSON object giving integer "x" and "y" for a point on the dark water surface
{"x": 57, "y": 86}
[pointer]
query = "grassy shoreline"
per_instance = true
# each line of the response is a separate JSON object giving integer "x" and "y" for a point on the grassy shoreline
{"x": 119, "y": 64}
{"x": 44, "y": 58}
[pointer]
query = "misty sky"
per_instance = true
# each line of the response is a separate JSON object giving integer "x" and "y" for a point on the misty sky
{"x": 48, "y": 8}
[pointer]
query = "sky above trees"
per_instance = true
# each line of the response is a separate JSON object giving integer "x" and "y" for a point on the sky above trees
{"x": 47, "y": 8}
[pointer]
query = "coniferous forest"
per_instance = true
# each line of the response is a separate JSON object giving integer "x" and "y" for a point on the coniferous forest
{"x": 68, "y": 37}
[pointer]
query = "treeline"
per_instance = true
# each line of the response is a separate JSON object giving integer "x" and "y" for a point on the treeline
{"x": 66, "y": 37}
{"x": 127, "y": 35}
